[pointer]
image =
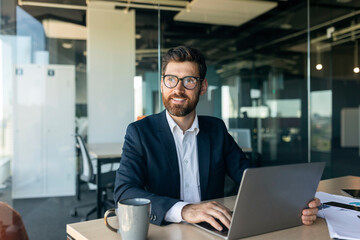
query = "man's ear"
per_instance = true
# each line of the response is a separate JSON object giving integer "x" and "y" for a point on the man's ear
{"x": 204, "y": 86}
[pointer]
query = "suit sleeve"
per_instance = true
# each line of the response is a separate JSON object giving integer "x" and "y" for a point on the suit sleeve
{"x": 235, "y": 159}
{"x": 132, "y": 177}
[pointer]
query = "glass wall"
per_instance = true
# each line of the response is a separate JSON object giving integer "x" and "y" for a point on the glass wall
{"x": 42, "y": 101}
{"x": 257, "y": 72}
{"x": 283, "y": 76}
{"x": 147, "y": 59}
{"x": 335, "y": 85}
{"x": 258, "y": 68}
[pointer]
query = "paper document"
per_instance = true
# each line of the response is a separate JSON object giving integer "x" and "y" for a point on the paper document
{"x": 342, "y": 223}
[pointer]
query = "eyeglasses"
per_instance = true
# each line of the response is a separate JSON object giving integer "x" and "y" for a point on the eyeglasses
{"x": 189, "y": 82}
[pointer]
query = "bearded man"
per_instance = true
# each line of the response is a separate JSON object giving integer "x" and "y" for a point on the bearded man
{"x": 178, "y": 159}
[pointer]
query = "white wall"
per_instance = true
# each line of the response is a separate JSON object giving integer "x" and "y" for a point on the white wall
{"x": 111, "y": 71}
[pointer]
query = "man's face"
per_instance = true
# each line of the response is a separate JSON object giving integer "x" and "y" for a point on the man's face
{"x": 180, "y": 101}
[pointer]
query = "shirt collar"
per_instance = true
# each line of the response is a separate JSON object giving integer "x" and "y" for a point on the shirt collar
{"x": 173, "y": 125}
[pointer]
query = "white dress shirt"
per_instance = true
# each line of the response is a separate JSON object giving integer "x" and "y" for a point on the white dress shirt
{"x": 187, "y": 153}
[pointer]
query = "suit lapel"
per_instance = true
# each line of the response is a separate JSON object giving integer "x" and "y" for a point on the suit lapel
{"x": 203, "y": 142}
{"x": 168, "y": 143}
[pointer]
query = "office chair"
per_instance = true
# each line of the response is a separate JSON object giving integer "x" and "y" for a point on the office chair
{"x": 87, "y": 175}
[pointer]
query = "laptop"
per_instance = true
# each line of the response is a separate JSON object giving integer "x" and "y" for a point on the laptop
{"x": 271, "y": 199}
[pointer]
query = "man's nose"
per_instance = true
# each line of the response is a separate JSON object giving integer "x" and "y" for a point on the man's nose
{"x": 179, "y": 87}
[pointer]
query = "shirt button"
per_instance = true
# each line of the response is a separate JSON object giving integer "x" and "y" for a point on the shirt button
{"x": 187, "y": 185}
{"x": 186, "y": 161}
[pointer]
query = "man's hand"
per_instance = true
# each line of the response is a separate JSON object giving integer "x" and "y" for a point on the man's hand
{"x": 309, "y": 214}
{"x": 207, "y": 212}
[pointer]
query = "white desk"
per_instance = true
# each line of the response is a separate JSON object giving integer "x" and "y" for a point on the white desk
{"x": 105, "y": 150}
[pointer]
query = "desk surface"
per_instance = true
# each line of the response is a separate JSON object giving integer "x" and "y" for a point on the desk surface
{"x": 105, "y": 150}
{"x": 96, "y": 229}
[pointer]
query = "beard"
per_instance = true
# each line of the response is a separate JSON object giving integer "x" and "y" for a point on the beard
{"x": 180, "y": 110}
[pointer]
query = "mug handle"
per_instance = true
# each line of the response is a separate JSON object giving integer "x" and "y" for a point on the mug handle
{"x": 107, "y": 213}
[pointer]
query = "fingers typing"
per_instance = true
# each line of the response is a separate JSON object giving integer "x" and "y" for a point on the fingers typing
{"x": 207, "y": 212}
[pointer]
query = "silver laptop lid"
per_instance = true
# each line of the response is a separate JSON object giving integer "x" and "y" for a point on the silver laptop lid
{"x": 272, "y": 198}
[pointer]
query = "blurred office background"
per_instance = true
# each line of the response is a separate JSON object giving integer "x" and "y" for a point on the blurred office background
{"x": 283, "y": 75}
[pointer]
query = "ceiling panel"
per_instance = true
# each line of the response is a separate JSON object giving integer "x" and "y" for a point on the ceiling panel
{"x": 64, "y": 30}
{"x": 224, "y": 12}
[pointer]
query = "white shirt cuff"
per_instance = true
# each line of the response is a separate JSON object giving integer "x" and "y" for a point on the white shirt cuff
{"x": 174, "y": 213}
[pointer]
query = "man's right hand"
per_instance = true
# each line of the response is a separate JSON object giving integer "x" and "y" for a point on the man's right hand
{"x": 207, "y": 212}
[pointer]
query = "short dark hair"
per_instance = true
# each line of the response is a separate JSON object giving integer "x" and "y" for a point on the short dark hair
{"x": 182, "y": 54}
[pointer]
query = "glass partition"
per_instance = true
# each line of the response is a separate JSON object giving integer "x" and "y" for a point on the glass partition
{"x": 335, "y": 85}
{"x": 257, "y": 67}
{"x": 259, "y": 63}
{"x": 42, "y": 70}
{"x": 147, "y": 61}
{"x": 257, "y": 72}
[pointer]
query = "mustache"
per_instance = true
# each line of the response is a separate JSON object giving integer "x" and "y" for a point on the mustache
{"x": 178, "y": 96}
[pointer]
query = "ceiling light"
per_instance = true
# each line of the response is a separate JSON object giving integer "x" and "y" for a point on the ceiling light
{"x": 356, "y": 64}
{"x": 319, "y": 66}
{"x": 126, "y": 10}
{"x": 188, "y": 9}
{"x": 67, "y": 45}
{"x": 137, "y": 36}
{"x": 285, "y": 26}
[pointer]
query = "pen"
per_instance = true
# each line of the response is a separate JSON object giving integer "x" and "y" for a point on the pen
{"x": 322, "y": 206}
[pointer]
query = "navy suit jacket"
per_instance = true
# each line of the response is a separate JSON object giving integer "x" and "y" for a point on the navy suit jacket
{"x": 149, "y": 164}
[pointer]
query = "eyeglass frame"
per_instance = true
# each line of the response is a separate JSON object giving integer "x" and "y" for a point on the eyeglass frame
{"x": 182, "y": 80}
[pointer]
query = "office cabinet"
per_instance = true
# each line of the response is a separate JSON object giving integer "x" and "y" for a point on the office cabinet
{"x": 44, "y": 126}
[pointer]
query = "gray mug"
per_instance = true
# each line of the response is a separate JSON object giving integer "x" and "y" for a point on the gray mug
{"x": 133, "y": 216}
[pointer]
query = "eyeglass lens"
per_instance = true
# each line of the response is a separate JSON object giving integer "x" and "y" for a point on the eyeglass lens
{"x": 172, "y": 81}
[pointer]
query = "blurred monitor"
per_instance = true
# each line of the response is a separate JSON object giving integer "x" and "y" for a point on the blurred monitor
{"x": 242, "y": 136}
